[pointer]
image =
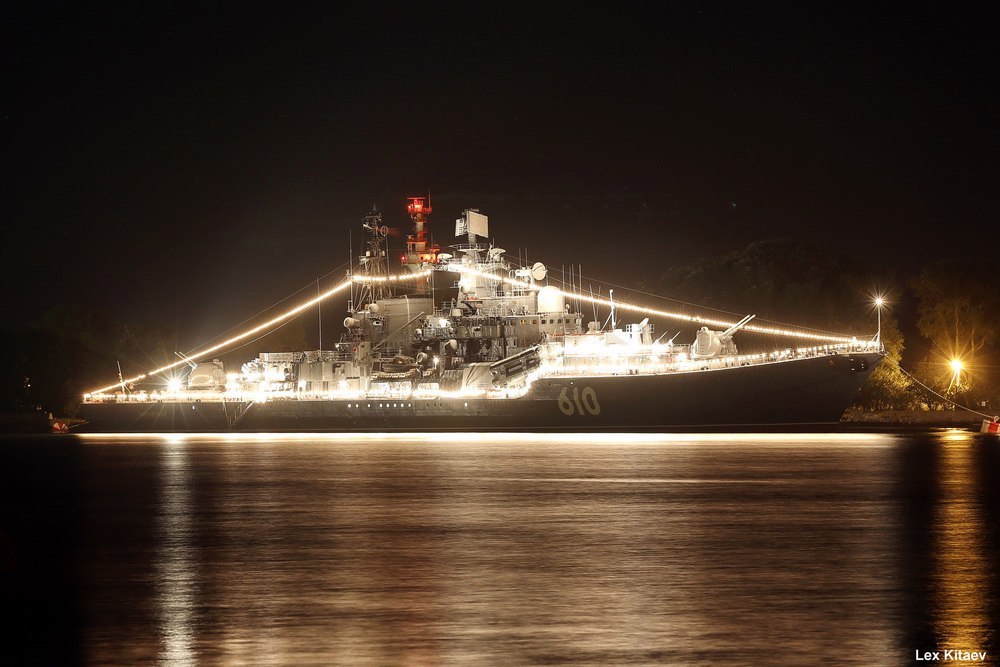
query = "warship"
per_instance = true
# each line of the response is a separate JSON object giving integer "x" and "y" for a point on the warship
{"x": 464, "y": 338}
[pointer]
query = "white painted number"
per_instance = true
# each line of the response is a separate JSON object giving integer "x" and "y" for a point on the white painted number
{"x": 584, "y": 402}
{"x": 590, "y": 401}
{"x": 565, "y": 405}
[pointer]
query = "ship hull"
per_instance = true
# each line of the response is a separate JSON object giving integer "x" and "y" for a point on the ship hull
{"x": 810, "y": 391}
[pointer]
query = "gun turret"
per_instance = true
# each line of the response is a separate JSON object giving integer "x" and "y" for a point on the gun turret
{"x": 710, "y": 343}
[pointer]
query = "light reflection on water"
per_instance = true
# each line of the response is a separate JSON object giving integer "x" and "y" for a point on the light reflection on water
{"x": 175, "y": 557}
{"x": 632, "y": 439}
{"x": 533, "y": 549}
{"x": 963, "y": 570}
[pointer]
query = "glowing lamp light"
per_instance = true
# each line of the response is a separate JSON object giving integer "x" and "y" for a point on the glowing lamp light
{"x": 418, "y": 205}
{"x": 956, "y": 376}
{"x": 878, "y": 301}
{"x": 174, "y": 384}
{"x": 235, "y": 339}
{"x": 724, "y": 324}
{"x": 468, "y": 271}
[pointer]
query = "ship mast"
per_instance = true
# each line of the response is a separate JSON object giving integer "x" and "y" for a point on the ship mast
{"x": 374, "y": 263}
{"x": 419, "y": 252}
{"x": 416, "y": 243}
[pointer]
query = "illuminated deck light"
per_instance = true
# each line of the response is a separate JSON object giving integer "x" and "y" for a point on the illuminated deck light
{"x": 661, "y": 313}
{"x": 466, "y": 270}
{"x": 957, "y": 366}
{"x": 235, "y": 339}
{"x": 402, "y": 277}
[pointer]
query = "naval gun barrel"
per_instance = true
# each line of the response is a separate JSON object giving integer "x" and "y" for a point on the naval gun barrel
{"x": 739, "y": 325}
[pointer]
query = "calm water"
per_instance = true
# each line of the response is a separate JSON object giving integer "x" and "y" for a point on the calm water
{"x": 857, "y": 548}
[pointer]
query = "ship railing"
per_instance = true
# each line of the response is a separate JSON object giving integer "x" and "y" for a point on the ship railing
{"x": 630, "y": 361}
{"x": 481, "y": 247}
{"x": 162, "y": 397}
{"x": 312, "y": 356}
{"x": 335, "y": 356}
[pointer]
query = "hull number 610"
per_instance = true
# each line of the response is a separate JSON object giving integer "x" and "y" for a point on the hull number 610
{"x": 579, "y": 402}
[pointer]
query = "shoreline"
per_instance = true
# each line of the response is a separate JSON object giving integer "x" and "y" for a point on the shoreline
{"x": 941, "y": 418}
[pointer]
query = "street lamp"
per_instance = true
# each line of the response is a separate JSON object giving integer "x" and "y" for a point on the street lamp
{"x": 957, "y": 366}
{"x": 879, "y": 302}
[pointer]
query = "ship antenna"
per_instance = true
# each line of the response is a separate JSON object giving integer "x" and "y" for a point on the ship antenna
{"x": 319, "y": 308}
{"x": 350, "y": 266}
{"x": 121, "y": 380}
{"x": 182, "y": 356}
{"x": 611, "y": 298}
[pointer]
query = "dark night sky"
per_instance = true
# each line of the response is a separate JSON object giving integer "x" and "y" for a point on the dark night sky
{"x": 195, "y": 163}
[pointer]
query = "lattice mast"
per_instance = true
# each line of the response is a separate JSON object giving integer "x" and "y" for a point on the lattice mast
{"x": 375, "y": 261}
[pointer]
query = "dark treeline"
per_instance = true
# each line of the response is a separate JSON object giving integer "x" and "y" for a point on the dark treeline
{"x": 952, "y": 311}
{"x": 48, "y": 364}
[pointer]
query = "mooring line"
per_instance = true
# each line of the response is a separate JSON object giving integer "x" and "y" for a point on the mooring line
{"x": 944, "y": 398}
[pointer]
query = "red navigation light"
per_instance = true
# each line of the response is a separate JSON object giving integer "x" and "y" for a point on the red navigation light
{"x": 419, "y": 205}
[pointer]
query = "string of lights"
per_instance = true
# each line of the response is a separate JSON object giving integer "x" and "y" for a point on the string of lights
{"x": 400, "y": 277}
{"x": 661, "y": 313}
{"x": 312, "y": 285}
{"x": 403, "y": 277}
{"x": 633, "y": 290}
{"x": 396, "y": 277}
{"x": 230, "y": 341}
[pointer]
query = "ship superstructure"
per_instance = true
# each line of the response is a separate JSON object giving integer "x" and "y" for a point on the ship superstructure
{"x": 468, "y": 339}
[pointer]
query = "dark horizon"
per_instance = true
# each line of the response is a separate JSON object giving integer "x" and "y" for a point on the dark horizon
{"x": 191, "y": 167}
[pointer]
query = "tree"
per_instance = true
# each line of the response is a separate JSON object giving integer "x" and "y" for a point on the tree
{"x": 784, "y": 281}
{"x": 958, "y": 309}
{"x": 888, "y": 388}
